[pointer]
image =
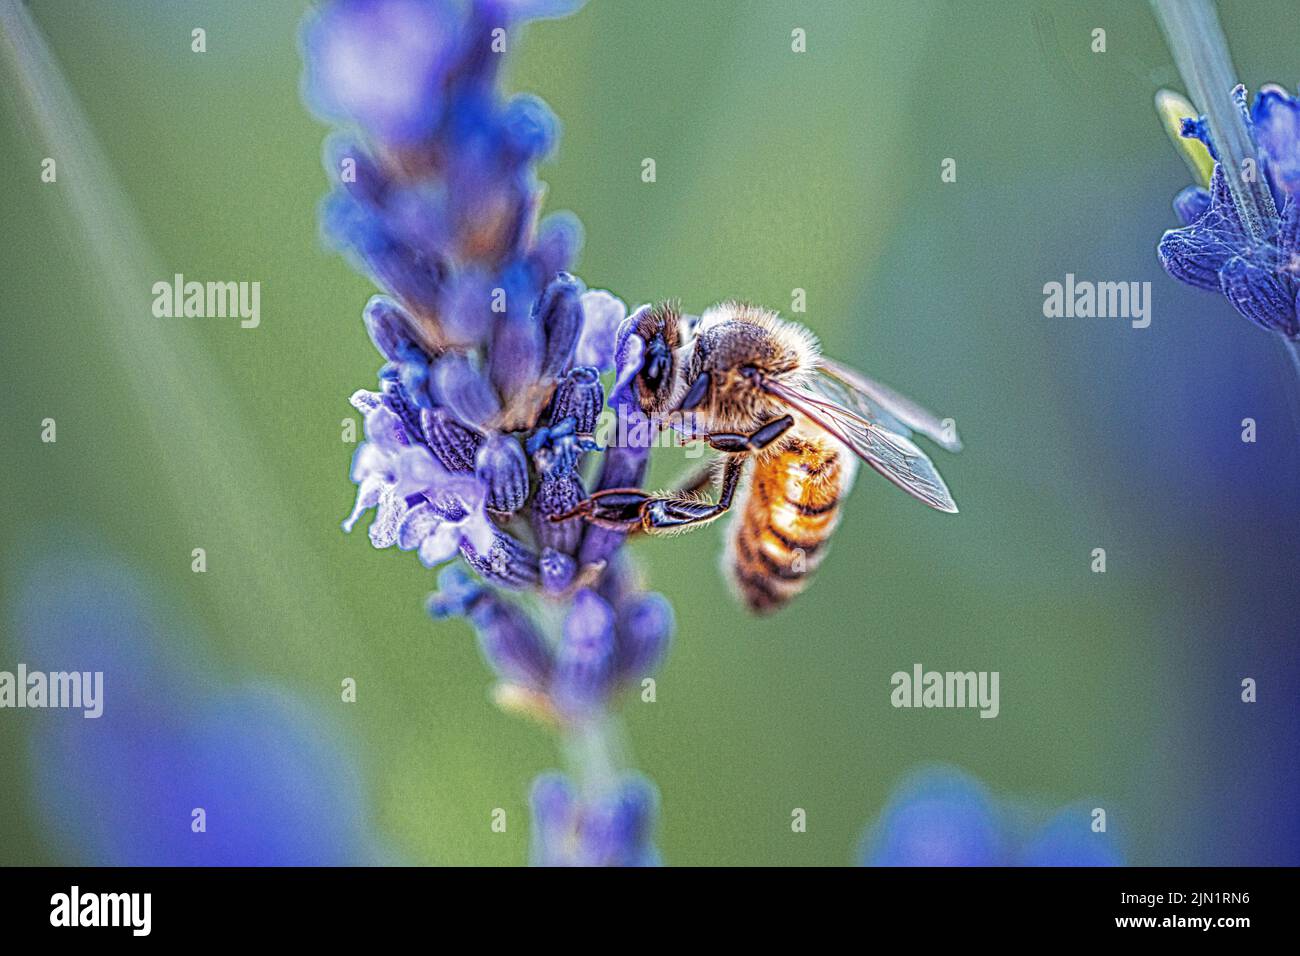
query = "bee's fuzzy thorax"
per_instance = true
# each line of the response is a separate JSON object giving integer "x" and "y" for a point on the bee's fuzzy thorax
{"x": 793, "y": 338}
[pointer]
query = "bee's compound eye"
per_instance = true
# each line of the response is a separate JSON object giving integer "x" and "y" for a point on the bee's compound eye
{"x": 658, "y": 365}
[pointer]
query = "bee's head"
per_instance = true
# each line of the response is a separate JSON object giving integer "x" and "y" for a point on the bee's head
{"x": 657, "y": 384}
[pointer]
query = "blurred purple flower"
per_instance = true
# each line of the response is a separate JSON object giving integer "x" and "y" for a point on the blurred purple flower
{"x": 942, "y": 817}
{"x": 274, "y": 786}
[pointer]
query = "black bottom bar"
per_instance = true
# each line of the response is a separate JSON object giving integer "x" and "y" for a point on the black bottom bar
{"x": 300, "y": 904}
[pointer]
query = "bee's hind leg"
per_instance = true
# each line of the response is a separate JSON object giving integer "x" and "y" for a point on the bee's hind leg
{"x": 630, "y": 509}
{"x": 678, "y": 512}
{"x": 697, "y": 481}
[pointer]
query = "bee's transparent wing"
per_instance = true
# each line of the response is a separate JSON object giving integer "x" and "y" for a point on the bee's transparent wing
{"x": 868, "y": 399}
{"x": 895, "y": 456}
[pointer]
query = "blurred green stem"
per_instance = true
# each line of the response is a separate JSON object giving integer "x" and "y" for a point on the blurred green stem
{"x": 594, "y": 750}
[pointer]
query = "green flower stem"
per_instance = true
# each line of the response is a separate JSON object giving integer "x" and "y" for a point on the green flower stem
{"x": 1201, "y": 52}
{"x": 594, "y": 750}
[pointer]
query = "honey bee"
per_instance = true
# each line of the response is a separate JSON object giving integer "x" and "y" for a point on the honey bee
{"x": 756, "y": 388}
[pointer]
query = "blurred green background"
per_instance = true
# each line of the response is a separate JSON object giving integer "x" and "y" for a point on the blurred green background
{"x": 776, "y": 171}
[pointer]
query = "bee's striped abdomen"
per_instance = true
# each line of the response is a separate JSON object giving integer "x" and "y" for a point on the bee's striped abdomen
{"x": 791, "y": 508}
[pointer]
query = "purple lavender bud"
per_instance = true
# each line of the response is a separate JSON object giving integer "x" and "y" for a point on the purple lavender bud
{"x": 1261, "y": 295}
{"x": 611, "y": 827}
{"x": 530, "y": 130}
{"x": 381, "y": 64}
{"x": 614, "y": 829}
{"x": 1062, "y": 842}
{"x": 366, "y": 401}
{"x": 620, "y": 580}
{"x": 559, "y": 314}
{"x": 413, "y": 373}
{"x": 554, "y": 811}
{"x": 501, "y": 466}
{"x": 602, "y": 318}
{"x": 643, "y": 627}
{"x": 399, "y": 402}
{"x": 508, "y": 563}
{"x": 1288, "y": 241}
{"x": 478, "y": 64}
{"x": 584, "y": 661}
{"x": 384, "y": 426}
{"x": 389, "y": 328}
{"x": 558, "y": 448}
{"x": 1199, "y": 129}
{"x": 558, "y": 494}
{"x": 413, "y": 218}
{"x": 352, "y": 226}
{"x": 557, "y": 570}
{"x": 517, "y": 341}
{"x": 455, "y": 445}
{"x": 559, "y": 237}
{"x": 598, "y": 544}
{"x": 457, "y": 593}
{"x": 348, "y": 164}
{"x": 510, "y": 642}
{"x": 629, "y": 357}
{"x": 579, "y": 396}
{"x": 1194, "y": 256}
{"x": 415, "y": 277}
{"x": 466, "y": 317}
{"x": 556, "y": 453}
{"x": 1191, "y": 203}
{"x": 463, "y": 389}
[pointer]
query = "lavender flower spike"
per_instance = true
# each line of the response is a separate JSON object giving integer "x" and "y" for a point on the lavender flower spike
{"x": 1240, "y": 238}
{"x": 570, "y": 829}
{"x": 483, "y": 422}
{"x": 1215, "y": 252}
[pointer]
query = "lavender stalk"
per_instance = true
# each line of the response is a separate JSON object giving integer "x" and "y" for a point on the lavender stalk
{"x": 1241, "y": 234}
{"x": 481, "y": 427}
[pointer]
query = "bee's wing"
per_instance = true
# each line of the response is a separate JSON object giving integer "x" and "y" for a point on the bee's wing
{"x": 868, "y": 399}
{"x": 896, "y": 457}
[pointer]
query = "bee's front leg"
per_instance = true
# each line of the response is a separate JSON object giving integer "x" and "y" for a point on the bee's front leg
{"x": 756, "y": 440}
